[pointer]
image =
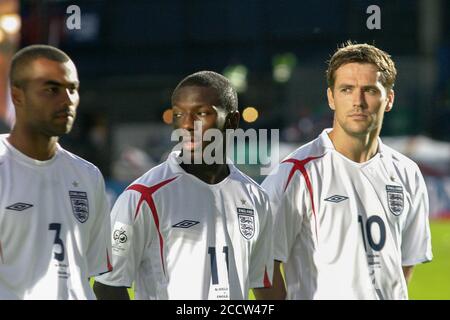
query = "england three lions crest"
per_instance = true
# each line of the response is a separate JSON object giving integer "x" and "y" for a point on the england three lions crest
{"x": 246, "y": 222}
{"x": 395, "y": 199}
{"x": 80, "y": 205}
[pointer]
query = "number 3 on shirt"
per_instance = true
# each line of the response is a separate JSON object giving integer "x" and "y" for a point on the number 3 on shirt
{"x": 58, "y": 241}
{"x": 366, "y": 229}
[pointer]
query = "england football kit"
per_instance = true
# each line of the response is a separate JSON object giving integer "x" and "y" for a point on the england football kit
{"x": 344, "y": 229}
{"x": 54, "y": 226}
{"x": 178, "y": 237}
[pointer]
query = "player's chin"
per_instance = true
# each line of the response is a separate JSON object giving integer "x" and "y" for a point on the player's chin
{"x": 62, "y": 129}
{"x": 358, "y": 129}
{"x": 191, "y": 155}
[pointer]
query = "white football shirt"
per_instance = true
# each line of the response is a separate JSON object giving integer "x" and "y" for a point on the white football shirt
{"x": 178, "y": 237}
{"x": 54, "y": 226}
{"x": 344, "y": 229}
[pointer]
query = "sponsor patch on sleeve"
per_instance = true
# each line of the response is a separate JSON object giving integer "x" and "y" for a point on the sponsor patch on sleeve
{"x": 121, "y": 238}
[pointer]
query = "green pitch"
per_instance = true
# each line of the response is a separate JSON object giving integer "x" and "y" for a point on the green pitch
{"x": 430, "y": 281}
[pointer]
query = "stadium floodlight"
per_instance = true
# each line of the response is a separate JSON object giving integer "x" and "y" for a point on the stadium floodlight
{"x": 283, "y": 64}
{"x": 10, "y": 23}
{"x": 237, "y": 74}
{"x": 250, "y": 114}
{"x": 167, "y": 116}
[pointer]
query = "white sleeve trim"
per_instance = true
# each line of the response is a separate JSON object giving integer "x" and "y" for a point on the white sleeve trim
{"x": 99, "y": 272}
{"x": 114, "y": 284}
{"x": 280, "y": 259}
{"x": 413, "y": 262}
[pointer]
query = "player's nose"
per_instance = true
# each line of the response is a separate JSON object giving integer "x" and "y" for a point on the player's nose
{"x": 358, "y": 98}
{"x": 71, "y": 97}
{"x": 187, "y": 121}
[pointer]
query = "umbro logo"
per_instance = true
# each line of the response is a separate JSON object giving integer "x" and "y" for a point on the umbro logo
{"x": 19, "y": 206}
{"x": 336, "y": 198}
{"x": 185, "y": 224}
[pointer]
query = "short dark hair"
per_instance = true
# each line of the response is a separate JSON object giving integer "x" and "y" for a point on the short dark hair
{"x": 227, "y": 94}
{"x": 350, "y": 52}
{"x": 25, "y": 56}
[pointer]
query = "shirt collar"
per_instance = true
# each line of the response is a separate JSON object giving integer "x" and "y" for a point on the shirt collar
{"x": 328, "y": 144}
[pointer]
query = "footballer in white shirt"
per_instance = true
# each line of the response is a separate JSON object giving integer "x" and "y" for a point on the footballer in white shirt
{"x": 192, "y": 230}
{"x": 351, "y": 214}
{"x": 54, "y": 217}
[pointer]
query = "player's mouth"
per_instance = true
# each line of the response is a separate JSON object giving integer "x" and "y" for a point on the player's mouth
{"x": 64, "y": 115}
{"x": 192, "y": 144}
{"x": 359, "y": 116}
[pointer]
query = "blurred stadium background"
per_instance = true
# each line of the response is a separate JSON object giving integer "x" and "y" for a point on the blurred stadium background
{"x": 131, "y": 54}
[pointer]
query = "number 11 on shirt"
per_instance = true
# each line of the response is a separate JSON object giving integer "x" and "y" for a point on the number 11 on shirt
{"x": 213, "y": 259}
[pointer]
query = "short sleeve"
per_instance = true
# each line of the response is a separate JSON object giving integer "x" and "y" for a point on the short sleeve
{"x": 130, "y": 236}
{"x": 99, "y": 251}
{"x": 261, "y": 262}
{"x": 287, "y": 218}
{"x": 416, "y": 235}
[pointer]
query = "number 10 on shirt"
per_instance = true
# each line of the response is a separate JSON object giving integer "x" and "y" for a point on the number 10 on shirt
{"x": 367, "y": 232}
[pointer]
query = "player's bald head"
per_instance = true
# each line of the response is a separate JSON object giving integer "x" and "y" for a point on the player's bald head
{"x": 23, "y": 59}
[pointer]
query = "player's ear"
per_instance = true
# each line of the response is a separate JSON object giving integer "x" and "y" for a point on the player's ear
{"x": 232, "y": 121}
{"x": 330, "y": 98}
{"x": 17, "y": 96}
{"x": 390, "y": 100}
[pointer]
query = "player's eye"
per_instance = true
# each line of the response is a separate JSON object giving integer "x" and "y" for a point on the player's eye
{"x": 371, "y": 91}
{"x": 346, "y": 90}
{"x": 52, "y": 90}
{"x": 73, "y": 90}
{"x": 204, "y": 112}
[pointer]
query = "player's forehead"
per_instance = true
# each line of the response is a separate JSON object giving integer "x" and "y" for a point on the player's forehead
{"x": 354, "y": 72}
{"x": 195, "y": 96}
{"x": 42, "y": 70}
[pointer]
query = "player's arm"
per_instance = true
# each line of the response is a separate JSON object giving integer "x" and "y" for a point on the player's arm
{"x": 129, "y": 239}
{"x": 278, "y": 289}
{"x": 416, "y": 235}
{"x": 105, "y": 292}
{"x": 407, "y": 272}
{"x": 98, "y": 253}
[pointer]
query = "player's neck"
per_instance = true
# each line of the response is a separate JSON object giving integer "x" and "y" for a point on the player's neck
{"x": 359, "y": 148}
{"x": 208, "y": 173}
{"x": 35, "y": 146}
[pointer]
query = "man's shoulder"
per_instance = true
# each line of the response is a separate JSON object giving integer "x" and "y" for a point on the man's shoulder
{"x": 256, "y": 193}
{"x": 3, "y": 148}
{"x": 399, "y": 160}
{"x": 282, "y": 175}
{"x": 78, "y": 162}
{"x": 247, "y": 180}
{"x": 312, "y": 149}
{"x": 156, "y": 175}
{"x": 402, "y": 167}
